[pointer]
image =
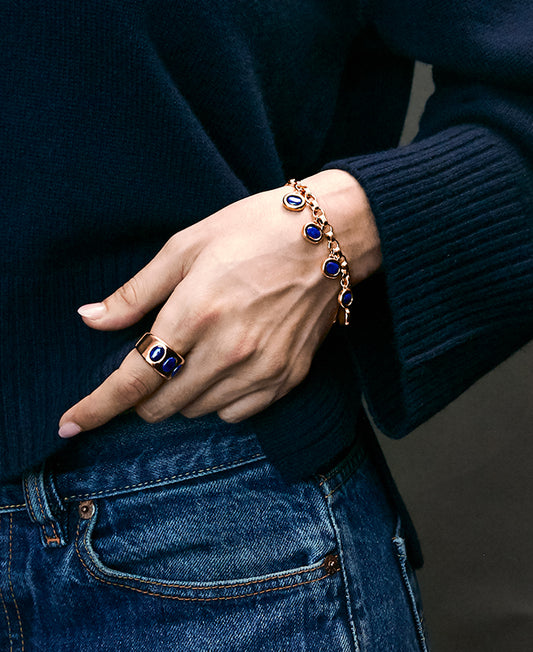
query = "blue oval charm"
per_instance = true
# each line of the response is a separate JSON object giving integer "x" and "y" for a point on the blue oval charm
{"x": 346, "y": 298}
{"x": 294, "y": 202}
{"x": 331, "y": 268}
{"x": 312, "y": 232}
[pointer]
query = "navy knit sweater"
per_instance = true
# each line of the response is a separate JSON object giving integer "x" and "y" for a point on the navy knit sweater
{"x": 123, "y": 121}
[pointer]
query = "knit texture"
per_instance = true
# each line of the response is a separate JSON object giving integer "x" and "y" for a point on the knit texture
{"x": 448, "y": 320}
{"x": 454, "y": 211}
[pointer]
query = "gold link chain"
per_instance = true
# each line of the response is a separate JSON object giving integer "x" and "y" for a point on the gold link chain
{"x": 334, "y": 249}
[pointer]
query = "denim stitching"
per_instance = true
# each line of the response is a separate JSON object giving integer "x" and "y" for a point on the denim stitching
{"x": 55, "y": 538}
{"x": 54, "y": 492}
{"x": 174, "y": 585}
{"x": 355, "y": 450}
{"x": 168, "y": 478}
{"x": 344, "y": 576}
{"x": 342, "y": 482}
{"x": 182, "y": 598}
{"x": 11, "y": 585}
{"x": 417, "y": 617}
{"x": 8, "y": 621}
{"x": 37, "y": 493}
{"x": 144, "y": 484}
{"x": 58, "y": 501}
{"x": 332, "y": 473}
{"x": 28, "y": 501}
{"x": 337, "y": 487}
{"x": 345, "y": 479}
{"x": 325, "y": 478}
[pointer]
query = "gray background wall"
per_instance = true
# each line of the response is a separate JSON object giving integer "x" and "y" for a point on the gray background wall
{"x": 466, "y": 478}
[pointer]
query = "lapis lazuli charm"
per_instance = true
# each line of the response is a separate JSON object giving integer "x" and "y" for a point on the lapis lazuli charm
{"x": 312, "y": 232}
{"x": 294, "y": 202}
{"x": 346, "y": 298}
{"x": 156, "y": 353}
{"x": 331, "y": 268}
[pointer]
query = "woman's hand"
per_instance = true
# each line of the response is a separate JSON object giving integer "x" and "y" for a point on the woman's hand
{"x": 245, "y": 302}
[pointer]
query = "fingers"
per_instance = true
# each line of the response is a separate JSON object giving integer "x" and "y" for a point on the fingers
{"x": 208, "y": 378}
{"x": 140, "y": 294}
{"x": 200, "y": 390}
{"x": 247, "y": 406}
{"x": 130, "y": 383}
{"x": 135, "y": 379}
{"x": 217, "y": 376}
{"x": 236, "y": 399}
{"x": 245, "y": 389}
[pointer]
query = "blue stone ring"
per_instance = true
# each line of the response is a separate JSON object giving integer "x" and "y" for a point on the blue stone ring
{"x": 160, "y": 356}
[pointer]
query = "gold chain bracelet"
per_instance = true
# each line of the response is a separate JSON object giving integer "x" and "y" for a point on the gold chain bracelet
{"x": 335, "y": 265}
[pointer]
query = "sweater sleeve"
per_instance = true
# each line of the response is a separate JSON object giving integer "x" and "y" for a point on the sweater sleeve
{"x": 454, "y": 295}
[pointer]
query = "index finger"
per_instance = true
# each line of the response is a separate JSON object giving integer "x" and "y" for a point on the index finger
{"x": 133, "y": 381}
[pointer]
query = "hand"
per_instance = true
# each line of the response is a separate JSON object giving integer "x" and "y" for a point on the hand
{"x": 245, "y": 302}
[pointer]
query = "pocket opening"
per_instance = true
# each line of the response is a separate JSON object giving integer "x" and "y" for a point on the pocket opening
{"x": 97, "y": 561}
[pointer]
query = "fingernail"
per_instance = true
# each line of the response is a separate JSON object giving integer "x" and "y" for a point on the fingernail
{"x": 92, "y": 310}
{"x": 69, "y": 429}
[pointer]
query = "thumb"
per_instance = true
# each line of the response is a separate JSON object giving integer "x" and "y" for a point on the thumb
{"x": 152, "y": 285}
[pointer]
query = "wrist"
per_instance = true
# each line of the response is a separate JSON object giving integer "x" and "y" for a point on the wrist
{"x": 347, "y": 209}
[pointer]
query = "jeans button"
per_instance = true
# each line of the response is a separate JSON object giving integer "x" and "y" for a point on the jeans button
{"x": 86, "y": 509}
{"x": 332, "y": 564}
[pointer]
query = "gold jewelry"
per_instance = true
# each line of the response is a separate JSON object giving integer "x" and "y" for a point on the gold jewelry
{"x": 335, "y": 265}
{"x": 160, "y": 356}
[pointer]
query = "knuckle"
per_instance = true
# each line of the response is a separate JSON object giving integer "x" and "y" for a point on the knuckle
{"x": 248, "y": 407}
{"x": 129, "y": 292}
{"x": 173, "y": 243}
{"x": 204, "y": 315}
{"x": 173, "y": 249}
{"x": 297, "y": 375}
{"x": 230, "y": 416}
{"x": 149, "y": 415}
{"x": 273, "y": 368}
{"x": 91, "y": 415}
{"x": 241, "y": 350}
{"x": 132, "y": 389}
{"x": 189, "y": 413}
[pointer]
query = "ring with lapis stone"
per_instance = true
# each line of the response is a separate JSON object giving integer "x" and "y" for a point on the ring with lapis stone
{"x": 159, "y": 355}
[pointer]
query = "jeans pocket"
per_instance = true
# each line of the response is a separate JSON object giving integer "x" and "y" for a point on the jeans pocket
{"x": 411, "y": 585}
{"x": 221, "y": 536}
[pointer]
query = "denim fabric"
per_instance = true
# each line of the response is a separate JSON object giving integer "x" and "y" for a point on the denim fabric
{"x": 192, "y": 542}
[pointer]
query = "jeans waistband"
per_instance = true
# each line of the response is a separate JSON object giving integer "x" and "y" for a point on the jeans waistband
{"x": 129, "y": 455}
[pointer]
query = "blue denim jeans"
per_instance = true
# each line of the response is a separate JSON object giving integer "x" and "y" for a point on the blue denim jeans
{"x": 185, "y": 538}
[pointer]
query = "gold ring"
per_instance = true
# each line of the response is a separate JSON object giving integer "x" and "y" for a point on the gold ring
{"x": 160, "y": 356}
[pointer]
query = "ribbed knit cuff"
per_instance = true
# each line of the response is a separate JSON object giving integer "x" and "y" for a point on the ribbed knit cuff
{"x": 455, "y": 293}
